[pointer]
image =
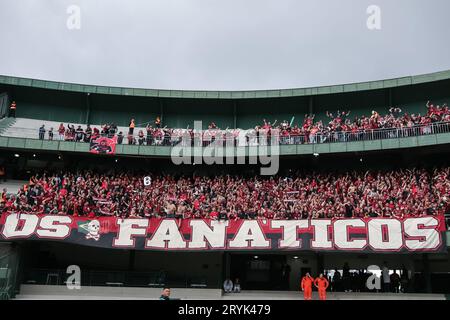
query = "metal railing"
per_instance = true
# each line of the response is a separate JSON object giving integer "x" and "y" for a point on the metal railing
{"x": 115, "y": 278}
{"x": 203, "y": 140}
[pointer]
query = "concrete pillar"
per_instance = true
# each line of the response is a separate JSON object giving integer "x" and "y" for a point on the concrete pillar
{"x": 161, "y": 112}
{"x": 426, "y": 273}
{"x": 320, "y": 263}
{"x": 303, "y": 261}
{"x": 390, "y": 98}
{"x": 4, "y": 105}
{"x": 88, "y": 109}
{"x": 235, "y": 114}
{"x": 311, "y": 105}
{"x": 226, "y": 262}
{"x": 131, "y": 259}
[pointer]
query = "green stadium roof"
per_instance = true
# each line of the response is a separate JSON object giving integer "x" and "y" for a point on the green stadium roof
{"x": 252, "y": 94}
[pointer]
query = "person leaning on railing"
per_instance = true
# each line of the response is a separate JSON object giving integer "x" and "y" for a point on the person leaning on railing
{"x": 112, "y": 130}
{"x": 141, "y": 137}
{"x": 149, "y": 137}
{"x": 61, "y": 132}
{"x": 41, "y": 132}
{"x": 79, "y": 134}
{"x": 88, "y": 134}
{"x": 120, "y": 138}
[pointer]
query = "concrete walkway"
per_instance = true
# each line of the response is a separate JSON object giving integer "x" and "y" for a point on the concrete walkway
{"x": 43, "y": 292}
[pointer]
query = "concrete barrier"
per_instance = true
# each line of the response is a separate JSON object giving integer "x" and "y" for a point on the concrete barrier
{"x": 47, "y": 292}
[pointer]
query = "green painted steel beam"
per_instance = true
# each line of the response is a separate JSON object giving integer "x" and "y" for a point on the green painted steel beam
{"x": 255, "y": 94}
{"x": 285, "y": 150}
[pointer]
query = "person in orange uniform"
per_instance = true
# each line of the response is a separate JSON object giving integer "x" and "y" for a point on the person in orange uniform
{"x": 306, "y": 286}
{"x": 322, "y": 284}
{"x": 131, "y": 127}
{"x": 12, "y": 109}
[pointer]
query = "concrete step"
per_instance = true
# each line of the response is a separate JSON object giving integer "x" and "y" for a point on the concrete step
{"x": 50, "y": 292}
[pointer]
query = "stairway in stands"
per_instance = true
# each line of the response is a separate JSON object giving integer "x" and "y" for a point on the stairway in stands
{"x": 6, "y": 123}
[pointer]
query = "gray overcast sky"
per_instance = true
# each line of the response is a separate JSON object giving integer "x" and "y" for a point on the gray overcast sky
{"x": 222, "y": 44}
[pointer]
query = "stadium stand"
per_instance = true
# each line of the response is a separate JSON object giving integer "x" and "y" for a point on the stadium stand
{"x": 399, "y": 193}
{"x": 405, "y": 174}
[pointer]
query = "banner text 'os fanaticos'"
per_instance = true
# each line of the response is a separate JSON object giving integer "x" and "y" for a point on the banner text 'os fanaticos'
{"x": 418, "y": 234}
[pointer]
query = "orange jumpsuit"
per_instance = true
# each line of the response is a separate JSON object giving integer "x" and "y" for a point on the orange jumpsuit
{"x": 322, "y": 285}
{"x": 306, "y": 286}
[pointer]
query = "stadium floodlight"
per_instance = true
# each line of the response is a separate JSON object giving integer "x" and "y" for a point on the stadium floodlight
{"x": 16, "y": 155}
{"x": 315, "y": 154}
{"x": 296, "y": 257}
{"x": 34, "y": 155}
{"x": 255, "y": 257}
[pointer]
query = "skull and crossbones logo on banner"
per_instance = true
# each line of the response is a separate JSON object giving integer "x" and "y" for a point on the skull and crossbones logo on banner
{"x": 93, "y": 229}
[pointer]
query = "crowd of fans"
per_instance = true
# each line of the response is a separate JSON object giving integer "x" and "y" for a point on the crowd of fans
{"x": 400, "y": 193}
{"x": 69, "y": 133}
{"x": 340, "y": 128}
